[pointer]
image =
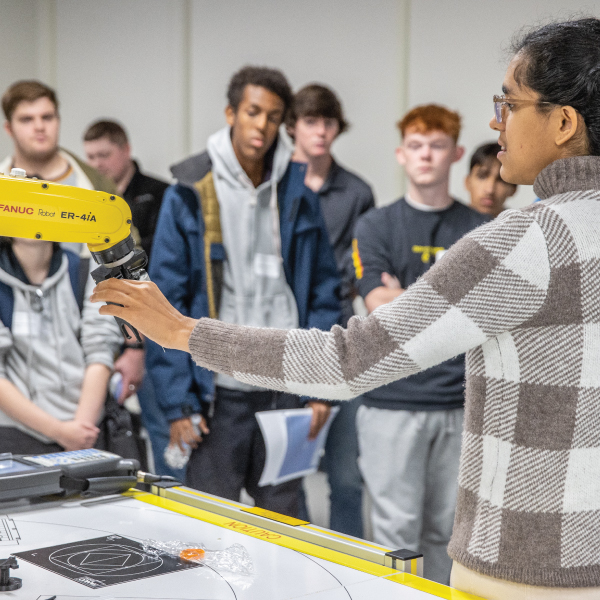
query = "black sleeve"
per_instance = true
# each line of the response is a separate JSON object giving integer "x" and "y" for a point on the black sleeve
{"x": 369, "y": 251}
{"x": 368, "y": 201}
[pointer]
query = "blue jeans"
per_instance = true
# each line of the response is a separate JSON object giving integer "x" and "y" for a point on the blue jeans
{"x": 341, "y": 465}
{"x": 157, "y": 427}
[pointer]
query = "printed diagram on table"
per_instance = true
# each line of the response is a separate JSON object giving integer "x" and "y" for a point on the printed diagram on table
{"x": 9, "y": 534}
{"x": 104, "y": 561}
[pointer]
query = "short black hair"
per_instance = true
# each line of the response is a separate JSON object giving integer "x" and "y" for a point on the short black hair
{"x": 316, "y": 100}
{"x": 561, "y": 62}
{"x": 271, "y": 79}
{"x": 483, "y": 154}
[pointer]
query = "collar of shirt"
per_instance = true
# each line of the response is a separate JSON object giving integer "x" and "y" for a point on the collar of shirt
{"x": 424, "y": 207}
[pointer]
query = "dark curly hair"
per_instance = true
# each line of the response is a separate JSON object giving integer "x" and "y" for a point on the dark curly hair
{"x": 561, "y": 62}
{"x": 271, "y": 79}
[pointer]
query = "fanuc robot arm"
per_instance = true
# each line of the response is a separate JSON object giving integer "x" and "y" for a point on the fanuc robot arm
{"x": 43, "y": 210}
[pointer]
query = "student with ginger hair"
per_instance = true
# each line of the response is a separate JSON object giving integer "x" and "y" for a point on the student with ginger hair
{"x": 417, "y": 420}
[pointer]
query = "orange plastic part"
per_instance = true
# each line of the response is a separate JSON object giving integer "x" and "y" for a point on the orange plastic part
{"x": 192, "y": 554}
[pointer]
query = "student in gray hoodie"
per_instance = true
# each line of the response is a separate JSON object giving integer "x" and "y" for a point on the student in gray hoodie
{"x": 55, "y": 358}
{"x": 242, "y": 239}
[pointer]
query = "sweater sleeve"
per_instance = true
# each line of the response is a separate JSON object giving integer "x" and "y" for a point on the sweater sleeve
{"x": 491, "y": 281}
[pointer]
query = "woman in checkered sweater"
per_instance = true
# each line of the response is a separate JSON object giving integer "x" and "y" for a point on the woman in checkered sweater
{"x": 521, "y": 296}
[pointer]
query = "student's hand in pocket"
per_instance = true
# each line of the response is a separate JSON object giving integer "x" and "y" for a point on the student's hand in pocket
{"x": 320, "y": 415}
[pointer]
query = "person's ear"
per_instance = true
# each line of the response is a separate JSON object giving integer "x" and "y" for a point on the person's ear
{"x": 568, "y": 125}
{"x": 291, "y": 131}
{"x": 8, "y": 128}
{"x": 230, "y": 115}
{"x": 459, "y": 152}
{"x": 400, "y": 156}
{"x": 468, "y": 183}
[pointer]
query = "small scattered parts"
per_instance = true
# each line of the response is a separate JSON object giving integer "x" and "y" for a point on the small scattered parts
{"x": 192, "y": 554}
{"x": 234, "y": 559}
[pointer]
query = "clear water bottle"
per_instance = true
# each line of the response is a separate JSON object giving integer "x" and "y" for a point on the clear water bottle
{"x": 177, "y": 458}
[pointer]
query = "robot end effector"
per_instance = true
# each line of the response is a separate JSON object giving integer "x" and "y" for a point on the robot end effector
{"x": 43, "y": 210}
{"x": 122, "y": 261}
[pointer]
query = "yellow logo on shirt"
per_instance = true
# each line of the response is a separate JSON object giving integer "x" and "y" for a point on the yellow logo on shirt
{"x": 427, "y": 251}
{"x": 358, "y": 266}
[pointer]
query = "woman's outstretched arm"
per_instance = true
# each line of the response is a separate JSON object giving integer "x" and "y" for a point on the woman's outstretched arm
{"x": 491, "y": 281}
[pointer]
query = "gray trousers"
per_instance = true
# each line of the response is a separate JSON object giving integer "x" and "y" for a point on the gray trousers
{"x": 409, "y": 463}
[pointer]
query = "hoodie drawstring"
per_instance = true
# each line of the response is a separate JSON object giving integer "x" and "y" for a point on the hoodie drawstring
{"x": 28, "y": 296}
{"x": 275, "y": 218}
{"x": 55, "y": 320}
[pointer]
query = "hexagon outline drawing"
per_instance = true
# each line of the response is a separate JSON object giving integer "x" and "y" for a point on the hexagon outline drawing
{"x": 107, "y": 560}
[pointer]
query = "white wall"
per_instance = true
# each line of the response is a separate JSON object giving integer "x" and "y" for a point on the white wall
{"x": 347, "y": 44}
{"x": 124, "y": 59}
{"x": 458, "y": 58}
{"x": 18, "y": 49}
{"x": 162, "y": 66}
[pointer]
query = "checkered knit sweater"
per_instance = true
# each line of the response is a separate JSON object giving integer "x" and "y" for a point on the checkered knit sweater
{"x": 521, "y": 296}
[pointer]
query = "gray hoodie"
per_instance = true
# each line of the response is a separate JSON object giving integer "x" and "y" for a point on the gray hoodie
{"x": 50, "y": 344}
{"x": 255, "y": 290}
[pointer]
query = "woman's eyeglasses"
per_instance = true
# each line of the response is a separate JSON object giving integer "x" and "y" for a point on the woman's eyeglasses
{"x": 502, "y": 103}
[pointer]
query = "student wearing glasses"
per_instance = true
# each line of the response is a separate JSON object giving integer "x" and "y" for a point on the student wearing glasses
{"x": 520, "y": 296}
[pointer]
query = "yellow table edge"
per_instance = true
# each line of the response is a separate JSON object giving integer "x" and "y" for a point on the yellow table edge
{"x": 269, "y": 514}
{"x": 431, "y": 587}
{"x": 253, "y": 510}
{"x": 359, "y": 564}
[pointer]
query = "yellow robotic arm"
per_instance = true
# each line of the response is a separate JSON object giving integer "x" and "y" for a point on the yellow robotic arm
{"x": 43, "y": 210}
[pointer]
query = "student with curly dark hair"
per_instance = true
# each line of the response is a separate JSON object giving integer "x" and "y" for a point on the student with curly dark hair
{"x": 240, "y": 238}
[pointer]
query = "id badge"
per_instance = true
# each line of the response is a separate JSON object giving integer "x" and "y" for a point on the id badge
{"x": 267, "y": 265}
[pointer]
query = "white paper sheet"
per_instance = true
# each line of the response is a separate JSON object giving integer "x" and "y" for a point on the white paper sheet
{"x": 290, "y": 454}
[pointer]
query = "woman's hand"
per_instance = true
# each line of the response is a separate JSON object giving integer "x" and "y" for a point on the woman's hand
{"x": 76, "y": 435}
{"x": 145, "y": 308}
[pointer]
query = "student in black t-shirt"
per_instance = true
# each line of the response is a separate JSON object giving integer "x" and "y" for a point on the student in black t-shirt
{"x": 315, "y": 121}
{"x": 410, "y": 430}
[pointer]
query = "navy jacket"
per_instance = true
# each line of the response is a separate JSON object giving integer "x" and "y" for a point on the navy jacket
{"x": 178, "y": 268}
